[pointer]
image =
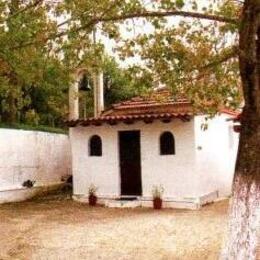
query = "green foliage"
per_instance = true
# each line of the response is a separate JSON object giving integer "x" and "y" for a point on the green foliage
{"x": 157, "y": 191}
{"x": 31, "y": 117}
{"x": 92, "y": 190}
{"x": 32, "y": 77}
{"x": 36, "y": 60}
{"x": 42, "y": 44}
{"x": 195, "y": 58}
{"x": 122, "y": 84}
{"x": 41, "y": 128}
{"x": 119, "y": 84}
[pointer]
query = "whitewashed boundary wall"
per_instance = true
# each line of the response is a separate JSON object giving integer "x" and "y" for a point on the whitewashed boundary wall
{"x": 31, "y": 155}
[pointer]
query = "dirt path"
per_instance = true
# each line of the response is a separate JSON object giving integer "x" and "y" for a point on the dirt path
{"x": 67, "y": 230}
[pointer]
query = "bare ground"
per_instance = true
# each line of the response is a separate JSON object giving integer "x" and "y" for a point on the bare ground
{"x": 68, "y": 230}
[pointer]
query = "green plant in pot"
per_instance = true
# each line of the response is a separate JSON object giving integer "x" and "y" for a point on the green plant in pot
{"x": 92, "y": 195}
{"x": 157, "y": 192}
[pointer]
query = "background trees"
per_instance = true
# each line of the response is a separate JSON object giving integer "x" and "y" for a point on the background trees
{"x": 42, "y": 42}
{"x": 40, "y": 47}
{"x": 33, "y": 79}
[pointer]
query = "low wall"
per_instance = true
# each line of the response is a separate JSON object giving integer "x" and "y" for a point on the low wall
{"x": 22, "y": 194}
{"x": 31, "y": 155}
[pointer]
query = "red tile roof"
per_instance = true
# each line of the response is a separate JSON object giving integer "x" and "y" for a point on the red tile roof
{"x": 160, "y": 102}
{"x": 159, "y": 105}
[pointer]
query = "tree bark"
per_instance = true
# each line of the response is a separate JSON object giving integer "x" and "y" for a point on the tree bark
{"x": 245, "y": 203}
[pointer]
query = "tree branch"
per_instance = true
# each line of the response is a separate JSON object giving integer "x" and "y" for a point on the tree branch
{"x": 203, "y": 71}
{"x": 146, "y": 14}
{"x": 90, "y": 24}
{"x": 151, "y": 14}
{"x": 37, "y": 2}
{"x": 223, "y": 57}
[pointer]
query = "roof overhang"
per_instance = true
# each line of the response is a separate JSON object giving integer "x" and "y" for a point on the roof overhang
{"x": 129, "y": 119}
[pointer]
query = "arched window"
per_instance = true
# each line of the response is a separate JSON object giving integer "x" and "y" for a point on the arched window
{"x": 167, "y": 143}
{"x": 95, "y": 146}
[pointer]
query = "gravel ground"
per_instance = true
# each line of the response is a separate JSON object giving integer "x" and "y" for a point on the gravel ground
{"x": 68, "y": 230}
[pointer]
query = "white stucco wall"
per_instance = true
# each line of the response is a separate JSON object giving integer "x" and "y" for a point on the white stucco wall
{"x": 216, "y": 150}
{"x": 42, "y": 157}
{"x": 174, "y": 172}
{"x": 203, "y": 163}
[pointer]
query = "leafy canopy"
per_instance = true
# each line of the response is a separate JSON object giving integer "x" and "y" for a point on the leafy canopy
{"x": 42, "y": 42}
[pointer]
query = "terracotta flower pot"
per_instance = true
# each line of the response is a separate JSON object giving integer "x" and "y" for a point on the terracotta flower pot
{"x": 157, "y": 203}
{"x": 92, "y": 200}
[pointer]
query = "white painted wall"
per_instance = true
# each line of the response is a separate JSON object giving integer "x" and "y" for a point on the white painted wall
{"x": 174, "y": 172}
{"x": 216, "y": 150}
{"x": 189, "y": 173}
{"x": 39, "y": 156}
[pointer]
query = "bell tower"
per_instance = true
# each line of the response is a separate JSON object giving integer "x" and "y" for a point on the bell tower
{"x": 81, "y": 83}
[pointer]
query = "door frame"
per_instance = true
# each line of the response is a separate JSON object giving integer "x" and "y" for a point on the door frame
{"x": 119, "y": 162}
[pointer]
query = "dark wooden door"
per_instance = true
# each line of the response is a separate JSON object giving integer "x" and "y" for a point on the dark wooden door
{"x": 130, "y": 163}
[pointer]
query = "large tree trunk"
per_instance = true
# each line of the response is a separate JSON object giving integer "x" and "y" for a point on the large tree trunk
{"x": 245, "y": 207}
{"x": 245, "y": 204}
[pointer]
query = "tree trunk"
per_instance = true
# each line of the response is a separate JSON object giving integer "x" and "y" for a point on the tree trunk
{"x": 245, "y": 208}
{"x": 245, "y": 203}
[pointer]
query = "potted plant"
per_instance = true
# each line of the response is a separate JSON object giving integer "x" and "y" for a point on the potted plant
{"x": 92, "y": 196}
{"x": 157, "y": 196}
